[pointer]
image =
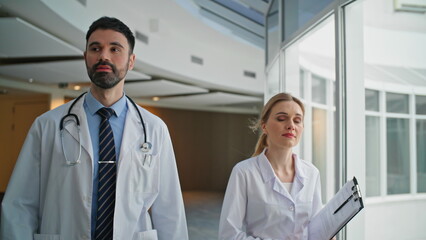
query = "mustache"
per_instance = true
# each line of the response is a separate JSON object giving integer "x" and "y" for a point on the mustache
{"x": 104, "y": 63}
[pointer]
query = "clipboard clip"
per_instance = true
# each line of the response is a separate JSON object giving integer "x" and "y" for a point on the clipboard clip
{"x": 356, "y": 194}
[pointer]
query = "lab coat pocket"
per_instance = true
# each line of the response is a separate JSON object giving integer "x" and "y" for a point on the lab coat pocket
{"x": 145, "y": 173}
{"x": 47, "y": 237}
{"x": 147, "y": 235}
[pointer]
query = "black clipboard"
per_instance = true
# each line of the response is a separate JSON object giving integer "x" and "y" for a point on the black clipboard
{"x": 337, "y": 213}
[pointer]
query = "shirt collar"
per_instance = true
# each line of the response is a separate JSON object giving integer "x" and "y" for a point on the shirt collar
{"x": 267, "y": 171}
{"x": 94, "y": 105}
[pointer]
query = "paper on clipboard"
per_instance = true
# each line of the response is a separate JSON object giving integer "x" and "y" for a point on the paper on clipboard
{"x": 337, "y": 213}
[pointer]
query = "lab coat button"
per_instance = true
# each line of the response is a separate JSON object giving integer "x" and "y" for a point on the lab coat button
{"x": 291, "y": 208}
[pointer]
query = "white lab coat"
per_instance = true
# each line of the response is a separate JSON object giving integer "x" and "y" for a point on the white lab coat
{"x": 257, "y": 206}
{"x": 48, "y": 199}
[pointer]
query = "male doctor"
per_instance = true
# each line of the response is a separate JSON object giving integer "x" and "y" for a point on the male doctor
{"x": 114, "y": 188}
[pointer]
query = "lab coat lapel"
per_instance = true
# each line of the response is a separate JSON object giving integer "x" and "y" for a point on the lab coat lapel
{"x": 280, "y": 189}
{"x": 85, "y": 141}
{"x": 132, "y": 132}
{"x": 300, "y": 177}
{"x": 268, "y": 175}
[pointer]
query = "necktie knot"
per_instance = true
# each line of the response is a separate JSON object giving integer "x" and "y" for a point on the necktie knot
{"x": 105, "y": 113}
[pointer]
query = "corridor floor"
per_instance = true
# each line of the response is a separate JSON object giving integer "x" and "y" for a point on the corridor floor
{"x": 203, "y": 213}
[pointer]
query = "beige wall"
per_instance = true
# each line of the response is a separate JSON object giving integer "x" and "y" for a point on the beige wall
{"x": 207, "y": 145}
{"x": 17, "y": 114}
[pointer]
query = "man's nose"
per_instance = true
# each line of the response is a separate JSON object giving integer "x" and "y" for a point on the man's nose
{"x": 104, "y": 55}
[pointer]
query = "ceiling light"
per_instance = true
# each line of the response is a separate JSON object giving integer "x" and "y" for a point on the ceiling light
{"x": 77, "y": 87}
{"x": 62, "y": 85}
{"x": 30, "y": 80}
{"x": 155, "y": 99}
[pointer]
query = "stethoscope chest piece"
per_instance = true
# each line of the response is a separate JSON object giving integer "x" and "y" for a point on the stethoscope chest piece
{"x": 146, "y": 147}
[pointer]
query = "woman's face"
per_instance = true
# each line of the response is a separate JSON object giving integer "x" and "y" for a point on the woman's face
{"x": 284, "y": 126}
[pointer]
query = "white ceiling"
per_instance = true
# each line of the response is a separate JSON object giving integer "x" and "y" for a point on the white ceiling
{"x": 46, "y": 48}
{"x": 212, "y": 99}
{"x": 160, "y": 88}
{"x": 21, "y": 39}
{"x": 241, "y": 18}
{"x": 399, "y": 75}
{"x": 67, "y": 71}
{"x": 43, "y": 40}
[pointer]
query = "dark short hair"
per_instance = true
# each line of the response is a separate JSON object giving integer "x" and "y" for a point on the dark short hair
{"x": 112, "y": 24}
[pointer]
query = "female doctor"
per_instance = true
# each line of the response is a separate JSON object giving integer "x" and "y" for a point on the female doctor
{"x": 274, "y": 194}
{"x": 52, "y": 192}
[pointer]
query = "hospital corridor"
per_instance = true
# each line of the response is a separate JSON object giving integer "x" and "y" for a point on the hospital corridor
{"x": 263, "y": 107}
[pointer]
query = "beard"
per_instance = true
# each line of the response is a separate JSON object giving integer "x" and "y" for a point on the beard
{"x": 106, "y": 80}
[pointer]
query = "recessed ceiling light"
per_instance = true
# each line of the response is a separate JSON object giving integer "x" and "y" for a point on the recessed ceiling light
{"x": 155, "y": 99}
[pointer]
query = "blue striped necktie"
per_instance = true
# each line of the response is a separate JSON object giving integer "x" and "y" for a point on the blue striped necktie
{"x": 106, "y": 177}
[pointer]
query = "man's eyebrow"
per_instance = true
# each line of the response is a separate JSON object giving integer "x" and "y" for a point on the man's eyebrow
{"x": 93, "y": 43}
{"x": 116, "y": 44}
{"x": 112, "y": 43}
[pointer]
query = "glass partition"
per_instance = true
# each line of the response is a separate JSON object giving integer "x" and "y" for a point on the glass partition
{"x": 398, "y": 155}
{"x": 296, "y": 14}
{"x": 372, "y": 145}
{"x": 393, "y": 66}
{"x": 273, "y": 43}
{"x": 273, "y": 80}
{"x": 387, "y": 55}
{"x": 381, "y": 96}
{"x": 309, "y": 73}
{"x": 421, "y": 155}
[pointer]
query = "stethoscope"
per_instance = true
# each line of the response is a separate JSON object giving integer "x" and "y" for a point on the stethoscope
{"x": 145, "y": 147}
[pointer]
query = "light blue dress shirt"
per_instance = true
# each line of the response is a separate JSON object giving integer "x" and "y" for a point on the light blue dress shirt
{"x": 91, "y": 106}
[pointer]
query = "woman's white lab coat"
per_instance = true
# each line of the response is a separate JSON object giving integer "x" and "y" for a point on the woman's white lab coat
{"x": 48, "y": 199}
{"x": 257, "y": 206}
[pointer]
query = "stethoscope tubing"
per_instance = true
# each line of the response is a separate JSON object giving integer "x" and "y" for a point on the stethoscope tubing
{"x": 146, "y": 146}
{"x": 140, "y": 117}
{"x": 69, "y": 114}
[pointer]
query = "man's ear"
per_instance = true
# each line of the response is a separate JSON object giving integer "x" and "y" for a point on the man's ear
{"x": 132, "y": 58}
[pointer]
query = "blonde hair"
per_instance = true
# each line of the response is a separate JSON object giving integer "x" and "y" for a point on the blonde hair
{"x": 264, "y": 116}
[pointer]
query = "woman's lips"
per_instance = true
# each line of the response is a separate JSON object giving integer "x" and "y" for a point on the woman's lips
{"x": 288, "y": 135}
